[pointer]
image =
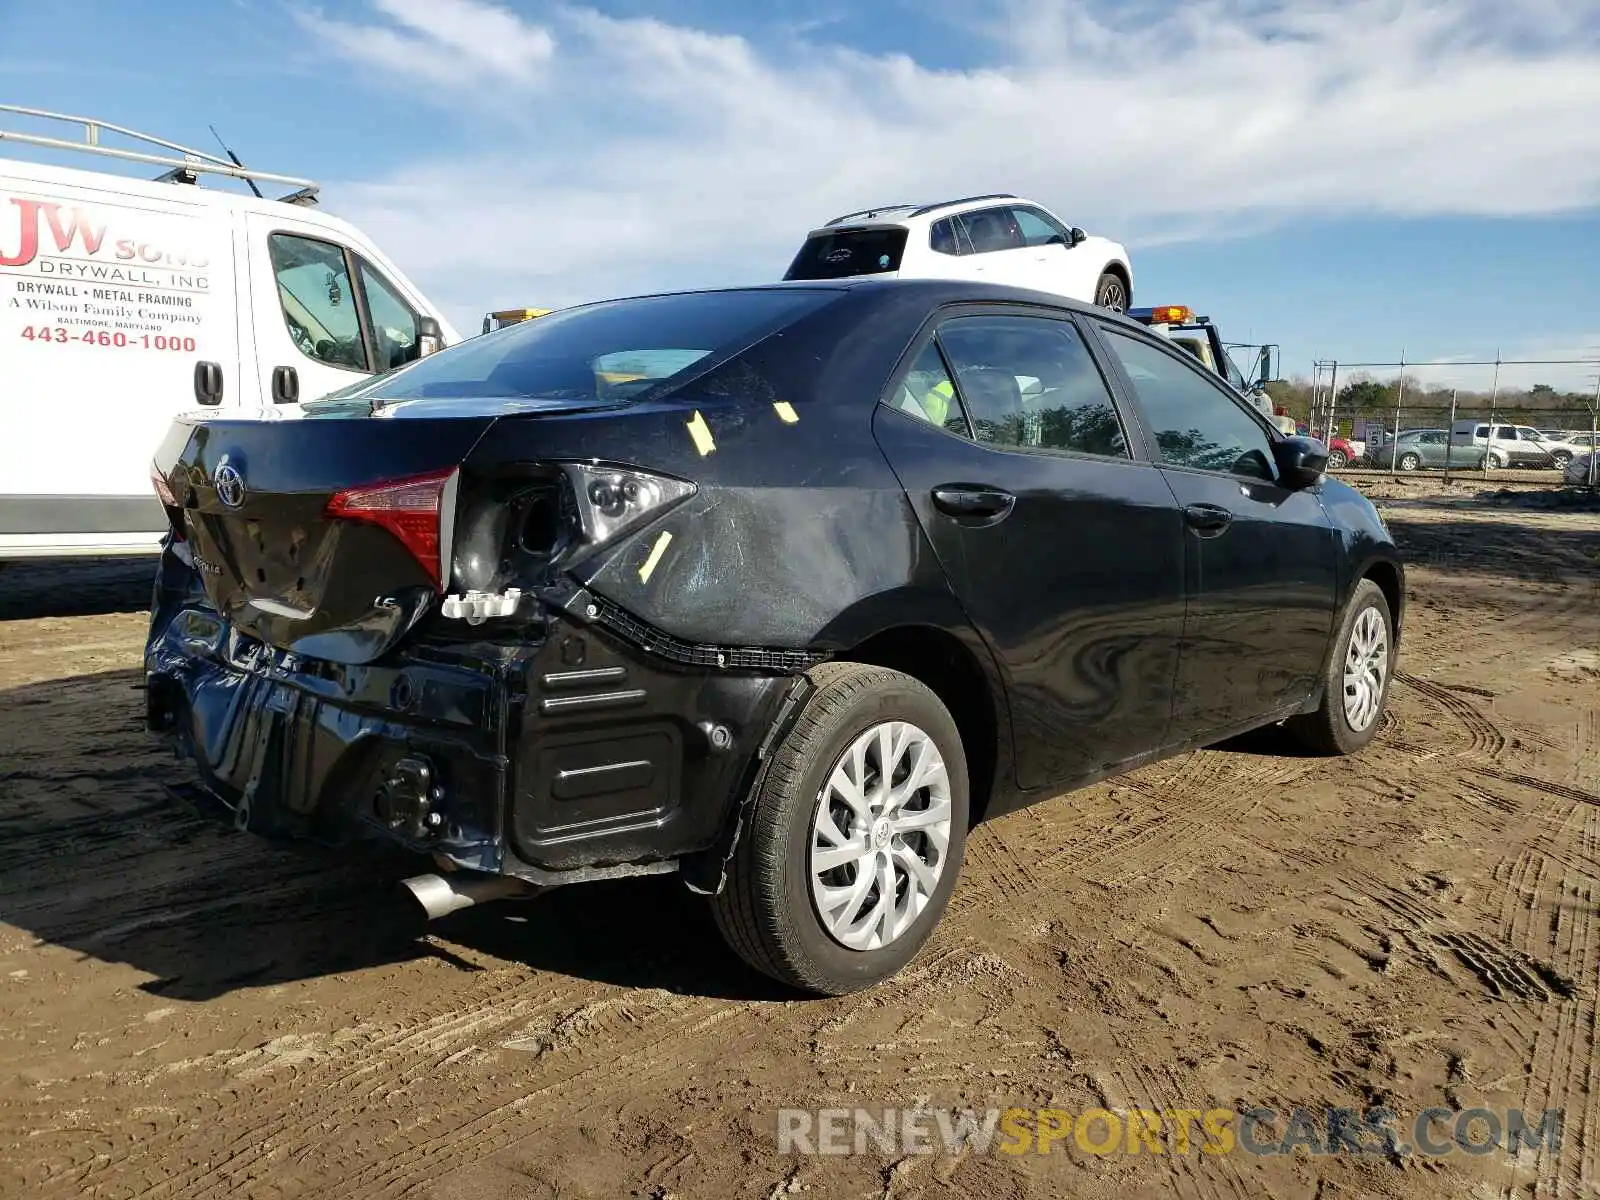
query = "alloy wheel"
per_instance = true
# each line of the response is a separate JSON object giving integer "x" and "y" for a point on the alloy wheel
{"x": 1112, "y": 295}
{"x": 880, "y": 836}
{"x": 1366, "y": 667}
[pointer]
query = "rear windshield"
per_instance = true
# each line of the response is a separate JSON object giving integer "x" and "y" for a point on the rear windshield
{"x": 841, "y": 253}
{"x": 615, "y": 350}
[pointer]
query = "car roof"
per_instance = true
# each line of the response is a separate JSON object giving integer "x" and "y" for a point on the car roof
{"x": 935, "y": 292}
{"x": 906, "y": 214}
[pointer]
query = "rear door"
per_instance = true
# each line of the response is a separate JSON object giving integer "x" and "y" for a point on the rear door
{"x": 108, "y": 300}
{"x": 1064, "y": 548}
{"x": 325, "y": 316}
{"x": 1262, "y": 561}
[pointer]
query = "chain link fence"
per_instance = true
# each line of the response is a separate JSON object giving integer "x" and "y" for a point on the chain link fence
{"x": 1390, "y": 417}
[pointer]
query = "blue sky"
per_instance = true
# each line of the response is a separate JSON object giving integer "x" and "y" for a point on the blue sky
{"x": 1348, "y": 178}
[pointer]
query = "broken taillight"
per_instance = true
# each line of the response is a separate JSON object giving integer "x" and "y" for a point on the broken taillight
{"x": 410, "y": 508}
{"x": 169, "y": 501}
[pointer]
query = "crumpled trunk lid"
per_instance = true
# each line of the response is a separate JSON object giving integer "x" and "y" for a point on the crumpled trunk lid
{"x": 253, "y": 495}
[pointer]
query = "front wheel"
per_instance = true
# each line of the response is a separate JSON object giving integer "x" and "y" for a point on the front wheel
{"x": 854, "y": 839}
{"x": 1110, "y": 292}
{"x": 1337, "y": 459}
{"x": 1560, "y": 460}
{"x": 1355, "y": 679}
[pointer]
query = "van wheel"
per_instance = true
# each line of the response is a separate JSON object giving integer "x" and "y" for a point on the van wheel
{"x": 1110, "y": 292}
{"x": 853, "y": 843}
{"x": 1355, "y": 679}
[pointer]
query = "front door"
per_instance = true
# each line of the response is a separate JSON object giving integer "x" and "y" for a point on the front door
{"x": 325, "y": 317}
{"x": 1262, "y": 559}
{"x": 1064, "y": 549}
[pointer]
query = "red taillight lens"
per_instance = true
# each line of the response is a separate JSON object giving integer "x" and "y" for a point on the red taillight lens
{"x": 411, "y": 509}
{"x": 169, "y": 501}
{"x": 163, "y": 488}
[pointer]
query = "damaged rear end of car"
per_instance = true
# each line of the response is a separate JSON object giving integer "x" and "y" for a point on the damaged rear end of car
{"x": 412, "y": 611}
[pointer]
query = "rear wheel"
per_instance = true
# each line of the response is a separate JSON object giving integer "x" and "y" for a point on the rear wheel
{"x": 1110, "y": 292}
{"x": 854, "y": 839}
{"x": 1409, "y": 462}
{"x": 1355, "y": 682}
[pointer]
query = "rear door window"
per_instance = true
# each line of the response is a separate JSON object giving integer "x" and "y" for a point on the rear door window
{"x": 841, "y": 253}
{"x": 991, "y": 229}
{"x": 1029, "y": 383}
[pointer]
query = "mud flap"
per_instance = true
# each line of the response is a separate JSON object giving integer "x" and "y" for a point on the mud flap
{"x": 707, "y": 872}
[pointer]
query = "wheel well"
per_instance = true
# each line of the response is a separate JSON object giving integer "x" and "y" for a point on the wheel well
{"x": 949, "y": 669}
{"x": 1121, "y": 272}
{"x": 1388, "y": 580}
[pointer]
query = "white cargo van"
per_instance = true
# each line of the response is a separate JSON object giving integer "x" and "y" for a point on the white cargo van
{"x": 124, "y": 301}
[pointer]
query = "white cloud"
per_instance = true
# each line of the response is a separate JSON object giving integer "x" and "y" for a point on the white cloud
{"x": 681, "y": 157}
{"x": 461, "y": 44}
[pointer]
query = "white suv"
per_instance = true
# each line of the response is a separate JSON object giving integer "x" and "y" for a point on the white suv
{"x": 997, "y": 239}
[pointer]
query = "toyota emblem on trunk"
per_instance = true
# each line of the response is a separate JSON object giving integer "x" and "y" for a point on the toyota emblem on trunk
{"x": 229, "y": 483}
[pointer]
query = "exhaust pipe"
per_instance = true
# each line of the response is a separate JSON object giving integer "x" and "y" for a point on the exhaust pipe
{"x": 439, "y": 896}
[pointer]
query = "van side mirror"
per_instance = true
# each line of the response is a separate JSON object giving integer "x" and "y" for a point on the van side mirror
{"x": 1302, "y": 461}
{"x": 430, "y": 338}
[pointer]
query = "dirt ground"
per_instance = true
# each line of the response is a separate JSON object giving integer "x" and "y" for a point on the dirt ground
{"x": 190, "y": 1012}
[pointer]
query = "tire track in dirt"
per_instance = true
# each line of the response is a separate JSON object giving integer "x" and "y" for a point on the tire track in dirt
{"x": 1485, "y": 738}
{"x": 391, "y": 1055}
{"x": 1562, "y": 924}
{"x": 1187, "y": 1174}
{"x": 616, "y": 1077}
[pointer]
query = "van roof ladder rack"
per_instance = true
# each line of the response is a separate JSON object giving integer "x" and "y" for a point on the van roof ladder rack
{"x": 181, "y": 170}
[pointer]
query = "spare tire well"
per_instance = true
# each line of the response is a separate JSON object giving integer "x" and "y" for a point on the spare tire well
{"x": 947, "y": 668}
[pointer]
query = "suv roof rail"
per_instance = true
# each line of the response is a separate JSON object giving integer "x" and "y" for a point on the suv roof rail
{"x": 180, "y": 170}
{"x": 867, "y": 212}
{"x": 928, "y": 208}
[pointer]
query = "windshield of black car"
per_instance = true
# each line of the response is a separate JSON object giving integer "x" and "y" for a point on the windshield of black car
{"x": 611, "y": 351}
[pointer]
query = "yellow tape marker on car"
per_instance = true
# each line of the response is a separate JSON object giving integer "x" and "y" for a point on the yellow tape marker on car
{"x": 701, "y": 433}
{"x": 786, "y": 412}
{"x": 656, "y": 552}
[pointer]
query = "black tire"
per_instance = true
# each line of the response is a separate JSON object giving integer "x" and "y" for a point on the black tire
{"x": 765, "y": 911}
{"x": 1409, "y": 462}
{"x": 1328, "y": 730}
{"x": 1560, "y": 459}
{"x": 1337, "y": 460}
{"x": 1110, "y": 292}
{"x": 1492, "y": 462}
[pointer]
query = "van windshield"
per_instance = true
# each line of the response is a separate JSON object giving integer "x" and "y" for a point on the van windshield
{"x": 610, "y": 351}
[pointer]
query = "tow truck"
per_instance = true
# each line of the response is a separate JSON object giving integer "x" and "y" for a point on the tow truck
{"x": 1179, "y": 324}
{"x": 511, "y": 316}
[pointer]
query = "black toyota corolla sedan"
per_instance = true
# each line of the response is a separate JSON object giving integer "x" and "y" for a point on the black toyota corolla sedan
{"x": 779, "y": 588}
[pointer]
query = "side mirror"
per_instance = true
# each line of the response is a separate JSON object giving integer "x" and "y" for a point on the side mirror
{"x": 430, "y": 337}
{"x": 1302, "y": 461}
{"x": 1078, "y": 236}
